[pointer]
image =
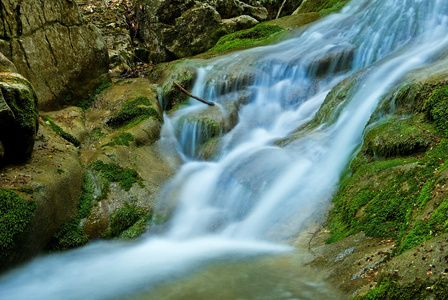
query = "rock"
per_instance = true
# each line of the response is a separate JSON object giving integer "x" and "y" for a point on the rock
{"x": 51, "y": 179}
{"x": 18, "y": 117}
{"x": 116, "y": 25}
{"x": 6, "y": 65}
{"x": 49, "y": 43}
{"x": 239, "y": 23}
{"x": 197, "y": 30}
{"x": 176, "y": 29}
{"x": 233, "y": 8}
{"x": 71, "y": 120}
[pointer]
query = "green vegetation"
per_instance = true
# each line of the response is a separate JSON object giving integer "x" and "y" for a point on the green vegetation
{"x": 15, "y": 214}
{"x": 437, "y": 107}
{"x": 122, "y": 140}
{"x": 323, "y": 7}
{"x": 396, "y": 185}
{"x": 114, "y": 173}
{"x": 96, "y": 134}
{"x": 262, "y": 34}
{"x": 127, "y": 222}
{"x": 66, "y": 136}
{"x": 388, "y": 288}
{"x": 87, "y": 102}
{"x": 132, "y": 113}
{"x": 71, "y": 235}
{"x": 331, "y": 6}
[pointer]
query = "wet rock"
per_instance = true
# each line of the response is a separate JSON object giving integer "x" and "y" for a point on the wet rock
{"x": 333, "y": 60}
{"x": 64, "y": 58}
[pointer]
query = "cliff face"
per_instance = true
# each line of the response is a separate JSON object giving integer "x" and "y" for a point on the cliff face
{"x": 51, "y": 46}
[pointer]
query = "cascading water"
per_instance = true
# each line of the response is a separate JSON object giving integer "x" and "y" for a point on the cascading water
{"x": 255, "y": 194}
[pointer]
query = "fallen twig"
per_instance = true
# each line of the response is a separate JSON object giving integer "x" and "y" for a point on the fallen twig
{"x": 191, "y": 95}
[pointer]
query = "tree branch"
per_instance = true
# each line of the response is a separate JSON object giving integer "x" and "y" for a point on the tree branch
{"x": 191, "y": 95}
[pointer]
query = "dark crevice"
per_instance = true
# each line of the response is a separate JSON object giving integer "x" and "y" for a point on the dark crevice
{"x": 51, "y": 50}
{"x": 24, "y": 53}
{"x": 18, "y": 21}
{"x": 70, "y": 38}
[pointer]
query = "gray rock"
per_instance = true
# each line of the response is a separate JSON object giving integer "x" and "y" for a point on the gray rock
{"x": 239, "y": 23}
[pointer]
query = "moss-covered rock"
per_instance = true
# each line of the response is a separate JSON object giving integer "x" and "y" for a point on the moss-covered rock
{"x": 15, "y": 214}
{"x": 127, "y": 222}
{"x": 132, "y": 113}
{"x": 262, "y": 34}
{"x": 323, "y": 7}
{"x": 18, "y": 117}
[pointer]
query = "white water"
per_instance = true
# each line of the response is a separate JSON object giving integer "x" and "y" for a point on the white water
{"x": 255, "y": 195}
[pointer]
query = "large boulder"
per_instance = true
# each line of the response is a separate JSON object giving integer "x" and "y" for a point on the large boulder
{"x": 49, "y": 43}
{"x": 176, "y": 29}
{"x": 18, "y": 115}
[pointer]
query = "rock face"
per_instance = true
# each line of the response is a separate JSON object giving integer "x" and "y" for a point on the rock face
{"x": 51, "y": 46}
{"x": 18, "y": 115}
{"x": 176, "y": 29}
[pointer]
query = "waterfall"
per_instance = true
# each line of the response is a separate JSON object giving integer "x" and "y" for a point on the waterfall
{"x": 255, "y": 194}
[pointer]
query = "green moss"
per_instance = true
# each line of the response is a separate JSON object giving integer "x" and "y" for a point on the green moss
{"x": 388, "y": 288}
{"x": 87, "y": 102}
{"x": 437, "y": 108}
{"x": 127, "y": 222}
{"x": 15, "y": 214}
{"x": 114, "y": 173}
{"x": 262, "y": 34}
{"x": 385, "y": 198}
{"x": 71, "y": 235}
{"x": 58, "y": 130}
{"x": 399, "y": 137}
{"x": 323, "y": 7}
{"x": 122, "y": 140}
{"x": 132, "y": 113}
{"x": 331, "y": 6}
{"x": 96, "y": 134}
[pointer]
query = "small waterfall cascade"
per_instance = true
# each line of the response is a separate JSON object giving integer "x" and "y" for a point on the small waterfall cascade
{"x": 255, "y": 194}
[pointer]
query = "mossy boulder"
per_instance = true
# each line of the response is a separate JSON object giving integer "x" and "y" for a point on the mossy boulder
{"x": 18, "y": 117}
{"x": 324, "y": 7}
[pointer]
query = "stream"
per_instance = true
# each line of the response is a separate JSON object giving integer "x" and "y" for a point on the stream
{"x": 228, "y": 235}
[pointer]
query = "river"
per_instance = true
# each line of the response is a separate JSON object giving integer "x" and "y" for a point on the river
{"x": 228, "y": 235}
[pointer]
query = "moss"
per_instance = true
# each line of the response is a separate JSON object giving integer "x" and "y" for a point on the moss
{"x": 385, "y": 198}
{"x": 15, "y": 214}
{"x": 114, "y": 173}
{"x": 331, "y": 6}
{"x": 87, "y": 102}
{"x": 127, "y": 222}
{"x": 399, "y": 137}
{"x": 437, "y": 108}
{"x": 58, "y": 130}
{"x": 262, "y": 34}
{"x": 388, "y": 288}
{"x": 323, "y": 7}
{"x": 132, "y": 113}
{"x": 71, "y": 235}
{"x": 96, "y": 134}
{"x": 122, "y": 140}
